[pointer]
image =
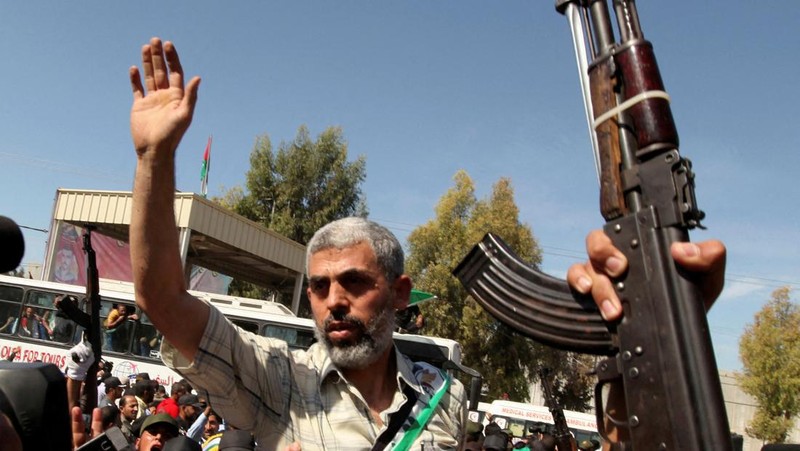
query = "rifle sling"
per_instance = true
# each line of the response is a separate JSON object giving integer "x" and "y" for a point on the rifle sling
{"x": 397, "y": 419}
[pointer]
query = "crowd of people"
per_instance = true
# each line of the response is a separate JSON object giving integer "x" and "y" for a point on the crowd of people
{"x": 493, "y": 438}
{"x": 148, "y": 418}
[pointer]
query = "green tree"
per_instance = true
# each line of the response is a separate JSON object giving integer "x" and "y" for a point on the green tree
{"x": 770, "y": 353}
{"x": 507, "y": 361}
{"x": 302, "y": 186}
{"x": 297, "y": 189}
{"x": 230, "y": 197}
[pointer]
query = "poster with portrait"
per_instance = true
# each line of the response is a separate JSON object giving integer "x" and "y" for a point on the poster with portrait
{"x": 69, "y": 264}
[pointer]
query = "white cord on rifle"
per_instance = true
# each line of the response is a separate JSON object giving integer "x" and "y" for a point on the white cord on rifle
{"x": 628, "y": 104}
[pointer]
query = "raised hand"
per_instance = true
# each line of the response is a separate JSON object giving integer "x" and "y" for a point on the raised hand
{"x": 79, "y": 435}
{"x": 161, "y": 114}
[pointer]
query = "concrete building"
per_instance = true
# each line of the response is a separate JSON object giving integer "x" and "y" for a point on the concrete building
{"x": 741, "y": 407}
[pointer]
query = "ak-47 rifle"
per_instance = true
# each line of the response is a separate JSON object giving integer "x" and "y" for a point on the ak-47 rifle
{"x": 94, "y": 330}
{"x": 561, "y": 430}
{"x": 661, "y": 349}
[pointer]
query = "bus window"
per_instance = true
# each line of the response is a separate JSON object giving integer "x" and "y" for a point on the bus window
{"x": 10, "y": 294}
{"x": 117, "y": 337}
{"x": 10, "y": 303}
{"x": 294, "y": 337}
{"x": 62, "y": 328}
{"x": 41, "y": 299}
{"x": 514, "y": 426}
{"x": 147, "y": 340}
{"x": 586, "y": 435}
{"x": 246, "y": 325}
{"x": 39, "y": 314}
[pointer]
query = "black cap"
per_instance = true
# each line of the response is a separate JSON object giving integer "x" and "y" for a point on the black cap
{"x": 495, "y": 441}
{"x": 236, "y": 440}
{"x": 113, "y": 382}
{"x": 159, "y": 418}
{"x": 190, "y": 400}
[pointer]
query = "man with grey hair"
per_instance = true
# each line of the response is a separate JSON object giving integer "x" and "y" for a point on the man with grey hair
{"x": 374, "y": 337}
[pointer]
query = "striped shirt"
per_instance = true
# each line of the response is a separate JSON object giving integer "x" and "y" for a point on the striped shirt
{"x": 257, "y": 384}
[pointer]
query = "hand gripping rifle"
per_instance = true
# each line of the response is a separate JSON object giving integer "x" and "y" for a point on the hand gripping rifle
{"x": 660, "y": 352}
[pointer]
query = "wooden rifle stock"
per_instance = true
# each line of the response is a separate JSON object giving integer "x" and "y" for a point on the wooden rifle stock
{"x": 661, "y": 350}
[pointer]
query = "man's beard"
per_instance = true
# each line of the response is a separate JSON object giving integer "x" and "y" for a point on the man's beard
{"x": 374, "y": 338}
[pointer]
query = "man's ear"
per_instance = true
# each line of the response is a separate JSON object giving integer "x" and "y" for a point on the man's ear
{"x": 401, "y": 290}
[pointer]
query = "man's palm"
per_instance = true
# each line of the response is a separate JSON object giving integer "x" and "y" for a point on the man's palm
{"x": 159, "y": 117}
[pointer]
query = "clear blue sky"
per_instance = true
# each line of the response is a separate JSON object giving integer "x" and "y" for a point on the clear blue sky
{"x": 422, "y": 89}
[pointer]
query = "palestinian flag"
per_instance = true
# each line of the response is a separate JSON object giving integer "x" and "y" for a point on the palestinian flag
{"x": 204, "y": 170}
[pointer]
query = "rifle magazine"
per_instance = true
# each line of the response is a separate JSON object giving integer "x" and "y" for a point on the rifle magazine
{"x": 531, "y": 302}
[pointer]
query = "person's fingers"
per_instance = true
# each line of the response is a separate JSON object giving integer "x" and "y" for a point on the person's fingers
{"x": 78, "y": 427}
{"x": 97, "y": 422}
{"x": 174, "y": 65}
{"x": 702, "y": 256}
{"x": 604, "y": 295}
{"x": 77, "y": 420}
{"x": 578, "y": 278}
{"x": 147, "y": 68}
{"x": 605, "y": 258}
{"x": 707, "y": 258}
{"x": 605, "y": 261}
{"x": 293, "y": 447}
{"x": 586, "y": 280}
{"x": 159, "y": 65}
{"x": 704, "y": 260}
{"x": 190, "y": 94}
{"x": 136, "y": 82}
{"x": 8, "y": 435}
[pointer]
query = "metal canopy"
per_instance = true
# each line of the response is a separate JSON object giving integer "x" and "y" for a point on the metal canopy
{"x": 218, "y": 239}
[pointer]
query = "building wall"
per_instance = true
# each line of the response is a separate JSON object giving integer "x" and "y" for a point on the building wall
{"x": 33, "y": 270}
{"x": 741, "y": 407}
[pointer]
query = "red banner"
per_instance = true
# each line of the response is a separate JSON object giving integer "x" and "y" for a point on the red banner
{"x": 113, "y": 257}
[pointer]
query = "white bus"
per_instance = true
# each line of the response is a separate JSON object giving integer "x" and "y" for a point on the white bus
{"x": 520, "y": 419}
{"x": 30, "y": 322}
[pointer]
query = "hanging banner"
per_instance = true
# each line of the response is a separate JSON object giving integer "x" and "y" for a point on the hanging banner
{"x": 113, "y": 257}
